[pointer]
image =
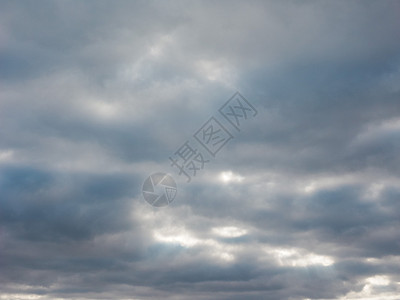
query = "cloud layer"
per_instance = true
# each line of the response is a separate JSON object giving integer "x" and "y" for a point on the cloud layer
{"x": 303, "y": 203}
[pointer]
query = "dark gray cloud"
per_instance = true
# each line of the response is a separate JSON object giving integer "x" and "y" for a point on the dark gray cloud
{"x": 301, "y": 204}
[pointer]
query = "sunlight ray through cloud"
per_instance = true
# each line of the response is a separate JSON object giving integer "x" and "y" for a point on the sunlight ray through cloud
{"x": 229, "y": 176}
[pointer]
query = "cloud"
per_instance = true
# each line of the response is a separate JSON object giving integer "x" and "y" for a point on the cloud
{"x": 300, "y": 204}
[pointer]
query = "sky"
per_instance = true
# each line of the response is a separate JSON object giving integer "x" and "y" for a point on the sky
{"x": 301, "y": 203}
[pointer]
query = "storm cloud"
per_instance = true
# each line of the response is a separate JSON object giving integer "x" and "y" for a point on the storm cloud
{"x": 303, "y": 202}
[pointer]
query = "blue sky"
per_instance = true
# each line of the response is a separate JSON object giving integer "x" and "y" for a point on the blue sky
{"x": 303, "y": 202}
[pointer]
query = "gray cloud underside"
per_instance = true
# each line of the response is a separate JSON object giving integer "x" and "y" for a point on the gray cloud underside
{"x": 95, "y": 96}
